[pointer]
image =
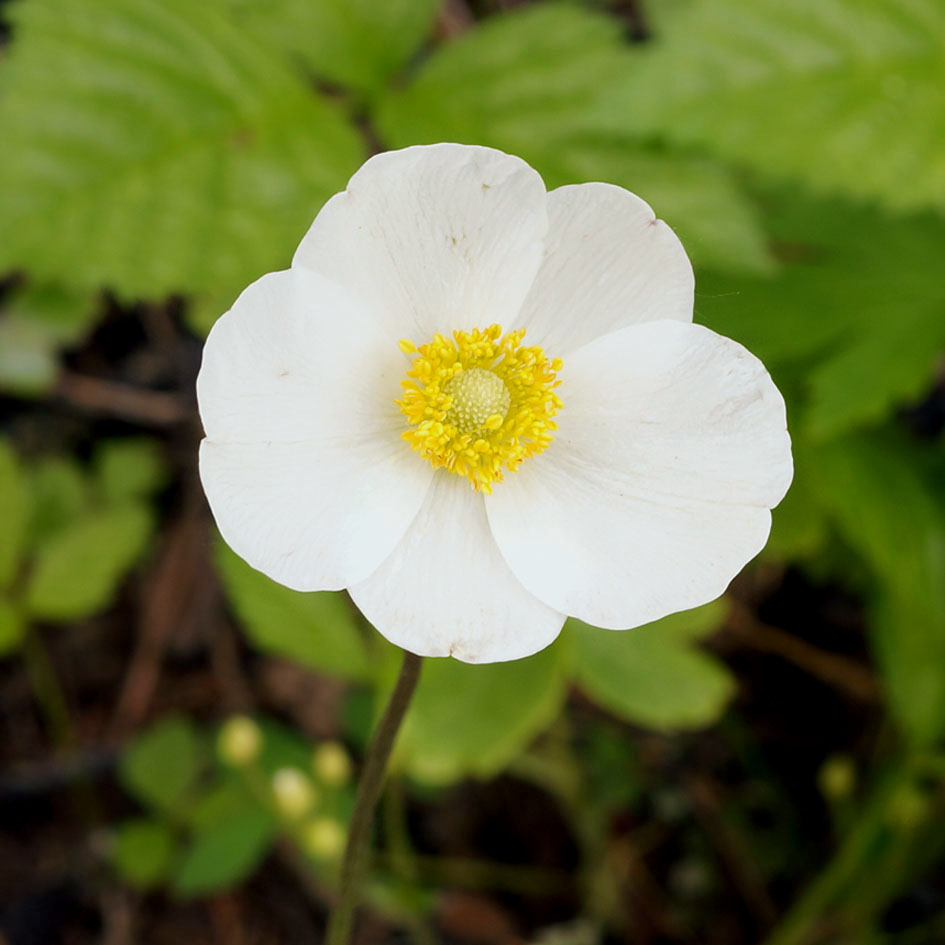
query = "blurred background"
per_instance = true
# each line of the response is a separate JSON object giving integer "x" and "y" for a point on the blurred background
{"x": 179, "y": 737}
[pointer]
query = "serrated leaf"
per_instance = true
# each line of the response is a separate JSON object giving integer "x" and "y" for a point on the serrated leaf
{"x": 78, "y": 570}
{"x": 886, "y": 510}
{"x": 857, "y": 301}
{"x": 224, "y": 853}
{"x": 158, "y": 144}
{"x": 846, "y": 95}
{"x": 521, "y": 81}
{"x": 318, "y": 630}
{"x": 143, "y": 852}
{"x": 653, "y": 675}
{"x": 129, "y": 469}
{"x": 356, "y": 43}
{"x": 525, "y": 81}
{"x": 13, "y": 513}
{"x": 474, "y": 719}
{"x": 161, "y": 765}
{"x": 701, "y": 200}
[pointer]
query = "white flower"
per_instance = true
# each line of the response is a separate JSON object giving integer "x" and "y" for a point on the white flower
{"x": 363, "y": 411}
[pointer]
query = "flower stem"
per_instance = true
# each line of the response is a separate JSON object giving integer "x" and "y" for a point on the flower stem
{"x": 369, "y": 792}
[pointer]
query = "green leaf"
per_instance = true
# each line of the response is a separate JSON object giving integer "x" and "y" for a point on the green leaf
{"x": 798, "y": 528}
{"x": 846, "y": 95}
{"x": 652, "y": 675}
{"x": 13, "y": 513}
{"x": 224, "y": 853}
{"x": 283, "y": 747}
{"x": 28, "y": 360}
{"x": 357, "y": 43}
{"x": 12, "y": 627}
{"x": 695, "y": 624}
{"x": 161, "y": 765}
{"x": 858, "y": 301}
{"x": 701, "y": 200}
{"x": 34, "y": 323}
{"x": 474, "y": 719}
{"x": 887, "y": 511}
{"x": 153, "y": 145}
{"x": 59, "y": 494}
{"x": 78, "y": 571}
{"x": 525, "y": 82}
{"x": 521, "y": 81}
{"x": 230, "y": 797}
{"x": 129, "y": 469}
{"x": 318, "y": 630}
{"x": 909, "y": 646}
{"x": 204, "y": 308}
{"x": 143, "y": 852}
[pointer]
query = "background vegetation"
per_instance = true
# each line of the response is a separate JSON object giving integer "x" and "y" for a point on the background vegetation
{"x": 766, "y": 769}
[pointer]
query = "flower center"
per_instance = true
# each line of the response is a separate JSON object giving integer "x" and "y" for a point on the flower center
{"x": 478, "y": 398}
{"x": 479, "y": 403}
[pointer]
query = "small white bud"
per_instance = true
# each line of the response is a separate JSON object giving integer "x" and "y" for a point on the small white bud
{"x": 294, "y": 793}
{"x": 331, "y": 764}
{"x": 324, "y": 838}
{"x": 239, "y": 741}
{"x": 837, "y": 777}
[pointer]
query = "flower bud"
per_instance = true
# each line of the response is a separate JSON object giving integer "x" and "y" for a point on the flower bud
{"x": 324, "y": 838}
{"x": 294, "y": 793}
{"x": 331, "y": 764}
{"x": 239, "y": 741}
{"x": 837, "y": 777}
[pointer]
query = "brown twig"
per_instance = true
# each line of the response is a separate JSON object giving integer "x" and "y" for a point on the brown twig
{"x": 737, "y": 863}
{"x": 228, "y": 920}
{"x": 178, "y": 596}
{"x": 225, "y": 660}
{"x": 839, "y": 671}
{"x": 118, "y": 908}
{"x": 146, "y": 407}
{"x": 648, "y": 915}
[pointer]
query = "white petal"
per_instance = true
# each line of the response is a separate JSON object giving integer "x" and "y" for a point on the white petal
{"x": 608, "y": 263}
{"x": 445, "y": 591}
{"x": 303, "y": 464}
{"x": 671, "y": 448}
{"x": 434, "y": 238}
{"x": 295, "y": 358}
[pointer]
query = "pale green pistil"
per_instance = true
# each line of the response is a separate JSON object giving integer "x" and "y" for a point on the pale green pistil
{"x": 476, "y": 396}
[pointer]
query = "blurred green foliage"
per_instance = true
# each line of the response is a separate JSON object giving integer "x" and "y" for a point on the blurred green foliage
{"x": 474, "y": 720}
{"x": 70, "y": 533}
{"x": 846, "y": 96}
{"x": 214, "y": 814}
{"x": 38, "y": 320}
{"x": 157, "y": 147}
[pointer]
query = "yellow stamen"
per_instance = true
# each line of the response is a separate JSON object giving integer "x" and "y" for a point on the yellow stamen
{"x": 479, "y": 403}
